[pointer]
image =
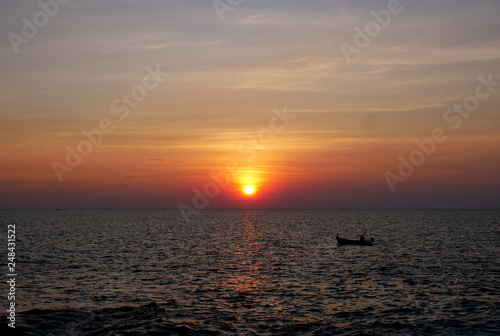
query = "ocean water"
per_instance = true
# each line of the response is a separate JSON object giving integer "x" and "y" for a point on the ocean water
{"x": 254, "y": 272}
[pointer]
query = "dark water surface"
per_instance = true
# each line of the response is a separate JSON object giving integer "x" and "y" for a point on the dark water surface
{"x": 255, "y": 272}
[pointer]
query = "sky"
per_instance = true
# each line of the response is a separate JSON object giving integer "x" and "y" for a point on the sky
{"x": 315, "y": 104}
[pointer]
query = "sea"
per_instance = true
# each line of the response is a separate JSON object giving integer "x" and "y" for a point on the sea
{"x": 253, "y": 272}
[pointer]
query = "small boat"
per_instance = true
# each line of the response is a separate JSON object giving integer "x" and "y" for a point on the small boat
{"x": 360, "y": 242}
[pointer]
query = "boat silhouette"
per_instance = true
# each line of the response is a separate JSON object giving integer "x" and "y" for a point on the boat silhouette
{"x": 360, "y": 242}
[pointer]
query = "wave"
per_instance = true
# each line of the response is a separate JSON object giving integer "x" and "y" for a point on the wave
{"x": 155, "y": 319}
{"x": 150, "y": 319}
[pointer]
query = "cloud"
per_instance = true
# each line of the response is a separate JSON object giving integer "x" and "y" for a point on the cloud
{"x": 226, "y": 77}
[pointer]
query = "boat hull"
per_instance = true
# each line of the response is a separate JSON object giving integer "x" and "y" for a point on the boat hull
{"x": 343, "y": 241}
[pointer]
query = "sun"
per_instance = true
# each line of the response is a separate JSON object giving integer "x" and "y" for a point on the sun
{"x": 249, "y": 190}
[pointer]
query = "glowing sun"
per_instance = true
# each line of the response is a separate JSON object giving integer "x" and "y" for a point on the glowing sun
{"x": 249, "y": 190}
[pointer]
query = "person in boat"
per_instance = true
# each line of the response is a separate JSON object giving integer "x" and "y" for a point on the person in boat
{"x": 362, "y": 239}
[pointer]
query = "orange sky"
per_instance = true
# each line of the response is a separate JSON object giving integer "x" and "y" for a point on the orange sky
{"x": 348, "y": 122}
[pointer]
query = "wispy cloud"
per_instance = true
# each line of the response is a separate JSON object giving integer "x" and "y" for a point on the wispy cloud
{"x": 226, "y": 78}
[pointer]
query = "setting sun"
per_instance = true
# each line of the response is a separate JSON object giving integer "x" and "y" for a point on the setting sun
{"x": 249, "y": 190}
